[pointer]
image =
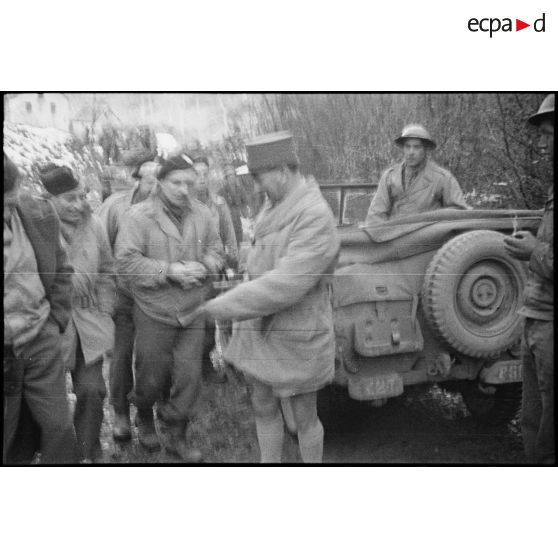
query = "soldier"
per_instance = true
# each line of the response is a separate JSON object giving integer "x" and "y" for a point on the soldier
{"x": 121, "y": 376}
{"x": 219, "y": 210}
{"x": 537, "y": 420}
{"x": 90, "y": 332}
{"x": 283, "y": 339}
{"x": 415, "y": 185}
{"x": 224, "y": 225}
{"x": 37, "y": 305}
{"x": 169, "y": 249}
{"x": 236, "y": 197}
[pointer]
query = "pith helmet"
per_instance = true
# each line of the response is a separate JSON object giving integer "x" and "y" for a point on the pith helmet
{"x": 415, "y": 131}
{"x": 546, "y": 110}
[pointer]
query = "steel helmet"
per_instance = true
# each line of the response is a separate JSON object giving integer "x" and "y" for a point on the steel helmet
{"x": 415, "y": 131}
{"x": 546, "y": 110}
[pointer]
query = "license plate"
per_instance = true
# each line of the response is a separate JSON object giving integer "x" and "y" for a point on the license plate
{"x": 503, "y": 372}
{"x": 375, "y": 387}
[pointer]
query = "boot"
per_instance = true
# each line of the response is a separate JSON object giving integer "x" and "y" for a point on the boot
{"x": 121, "y": 428}
{"x": 174, "y": 441}
{"x": 147, "y": 434}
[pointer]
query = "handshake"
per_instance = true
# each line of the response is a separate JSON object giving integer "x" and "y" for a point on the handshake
{"x": 187, "y": 274}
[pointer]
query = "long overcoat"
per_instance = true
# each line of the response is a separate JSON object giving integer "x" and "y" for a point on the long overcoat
{"x": 283, "y": 335}
{"x": 92, "y": 293}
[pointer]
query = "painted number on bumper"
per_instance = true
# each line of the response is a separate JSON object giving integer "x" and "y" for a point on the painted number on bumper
{"x": 503, "y": 372}
{"x": 375, "y": 387}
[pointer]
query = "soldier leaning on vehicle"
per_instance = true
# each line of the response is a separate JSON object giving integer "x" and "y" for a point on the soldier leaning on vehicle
{"x": 415, "y": 185}
{"x": 537, "y": 421}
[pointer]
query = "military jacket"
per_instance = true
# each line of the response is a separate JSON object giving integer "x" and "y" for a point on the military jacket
{"x": 539, "y": 292}
{"x": 433, "y": 188}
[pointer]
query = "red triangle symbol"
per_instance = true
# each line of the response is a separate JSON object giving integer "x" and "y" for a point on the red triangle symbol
{"x": 519, "y": 25}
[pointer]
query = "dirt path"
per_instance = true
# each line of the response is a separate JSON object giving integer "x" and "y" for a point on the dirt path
{"x": 420, "y": 430}
{"x": 422, "y": 427}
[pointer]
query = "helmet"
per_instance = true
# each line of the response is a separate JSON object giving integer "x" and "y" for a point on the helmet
{"x": 546, "y": 110}
{"x": 415, "y": 131}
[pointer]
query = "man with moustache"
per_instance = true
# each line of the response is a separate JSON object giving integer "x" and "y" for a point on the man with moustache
{"x": 283, "y": 338}
{"x": 169, "y": 250}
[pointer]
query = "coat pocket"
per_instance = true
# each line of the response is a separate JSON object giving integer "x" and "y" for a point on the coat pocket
{"x": 294, "y": 324}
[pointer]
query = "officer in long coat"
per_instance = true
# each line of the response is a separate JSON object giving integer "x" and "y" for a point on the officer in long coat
{"x": 283, "y": 337}
{"x": 90, "y": 332}
{"x": 537, "y": 417}
{"x": 415, "y": 185}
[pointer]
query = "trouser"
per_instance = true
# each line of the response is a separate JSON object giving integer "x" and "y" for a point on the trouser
{"x": 208, "y": 345}
{"x": 121, "y": 376}
{"x": 537, "y": 419}
{"x": 168, "y": 367}
{"x": 35, "y": 393}
{"x": 90, "y": 390}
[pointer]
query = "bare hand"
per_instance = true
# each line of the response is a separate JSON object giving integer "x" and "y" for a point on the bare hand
{"x": 521, "y": 245}
{"x": 194, "y": 269}
{"x": 187, "y": 274}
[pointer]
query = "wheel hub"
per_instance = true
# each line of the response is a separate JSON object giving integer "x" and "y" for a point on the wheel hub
{"x": 481, "y": 293}
{"x": 484, "y": 292}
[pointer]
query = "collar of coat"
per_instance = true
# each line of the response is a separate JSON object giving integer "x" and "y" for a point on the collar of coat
{"x": 426, "y": 172}
{"x": 304, "y": 195}
{"x": 154, "y": 208}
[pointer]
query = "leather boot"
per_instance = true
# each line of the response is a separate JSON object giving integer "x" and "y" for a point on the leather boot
{"x": 121, "y": 428}
{"x": 174, "y": 441}
{"x": 147, "y": 434}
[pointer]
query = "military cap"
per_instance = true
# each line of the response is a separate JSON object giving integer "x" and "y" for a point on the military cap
{"x": 202, "y": 159}
{"x": 546, "y": 110}
{"x": 415, "y": 131}
{"x": 11, "y": 174}
{"x": 271, "y": 151}
{"x": 178, "y": 162}
{"x": 57, "y": 179}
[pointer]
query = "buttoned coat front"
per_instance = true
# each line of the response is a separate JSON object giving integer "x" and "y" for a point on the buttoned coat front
{"x": 283, "y": 336}
{"x": 148, "y": 242}
{"x": 93, "y": 291}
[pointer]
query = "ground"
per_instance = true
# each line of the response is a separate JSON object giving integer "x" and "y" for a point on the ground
{"x": 422, "y": 426}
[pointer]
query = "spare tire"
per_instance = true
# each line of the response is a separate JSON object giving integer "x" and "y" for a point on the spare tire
{"x": 471, "y": 293}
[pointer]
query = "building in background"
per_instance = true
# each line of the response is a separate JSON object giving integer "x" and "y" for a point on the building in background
{"x": 42, "y": 110}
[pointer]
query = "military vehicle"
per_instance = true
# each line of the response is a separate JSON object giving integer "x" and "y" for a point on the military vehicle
{"x": 431, "y": 298}
{"x": 427, "y": 299}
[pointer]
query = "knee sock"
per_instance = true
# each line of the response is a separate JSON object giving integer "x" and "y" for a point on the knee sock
{"x": 311, "y": 443}
{"x": 270, "y": 439}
